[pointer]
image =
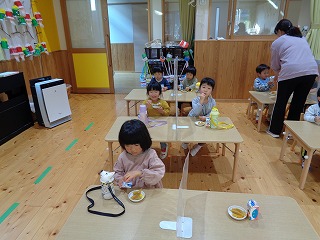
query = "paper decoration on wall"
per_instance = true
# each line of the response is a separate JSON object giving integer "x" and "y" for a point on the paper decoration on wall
{"x": 20, "y": 33}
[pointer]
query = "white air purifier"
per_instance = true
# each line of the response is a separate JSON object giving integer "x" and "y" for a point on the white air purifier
{"x": 53, "y": 102}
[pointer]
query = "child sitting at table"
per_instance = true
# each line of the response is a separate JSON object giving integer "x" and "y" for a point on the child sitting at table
{"x": 158, "y": 77}
{"x": 138, "y": 163}
{"x": 263, "y": 83}
{"x": 188, "y": 84}
{"x": 201, "y": 107}
{"x": 157, "y": 107}
{"x": 311, "y": 115}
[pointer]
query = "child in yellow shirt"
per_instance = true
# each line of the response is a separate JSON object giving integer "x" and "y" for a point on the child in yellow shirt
{"x": 157, "y": 107}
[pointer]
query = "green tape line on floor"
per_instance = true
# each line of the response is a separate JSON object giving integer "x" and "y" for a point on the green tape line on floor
{"x": 72, "y": 144}
{"x": 7, "y": 213}
{"x": 42, "y": 175}
{"x": 89, "y": 126}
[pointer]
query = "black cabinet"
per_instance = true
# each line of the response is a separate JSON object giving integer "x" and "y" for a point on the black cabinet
{"x": 15, "y": 113}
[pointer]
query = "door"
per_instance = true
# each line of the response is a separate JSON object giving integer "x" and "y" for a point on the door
{"x": 88, "y": 45}
{"x": 128, "y": 24}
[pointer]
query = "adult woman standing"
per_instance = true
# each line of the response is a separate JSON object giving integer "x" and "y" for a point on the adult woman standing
{"x": 295, "y": 68}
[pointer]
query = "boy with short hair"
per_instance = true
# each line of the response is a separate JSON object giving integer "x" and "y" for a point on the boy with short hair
{"x": 201, "y": 108}
{"x": 263, "y": 83}
{"x": 158, "y": 77}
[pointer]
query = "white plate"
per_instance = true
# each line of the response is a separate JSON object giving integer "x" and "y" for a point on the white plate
{"x": 130, "y": 196}
{"x": 237, "y": 208}
{"x": 156, "y": 106}
{"x": 199, "y": 123}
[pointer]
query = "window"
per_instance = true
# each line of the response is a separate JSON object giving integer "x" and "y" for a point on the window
{"x": 172, "y": 21}
{"x": 244, "y": 18}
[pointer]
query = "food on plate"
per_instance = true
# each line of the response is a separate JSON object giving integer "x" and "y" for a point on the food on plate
{"x": 238, "y": 213}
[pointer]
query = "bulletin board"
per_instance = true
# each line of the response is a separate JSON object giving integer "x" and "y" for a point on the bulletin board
{"x": 21, "y": 30}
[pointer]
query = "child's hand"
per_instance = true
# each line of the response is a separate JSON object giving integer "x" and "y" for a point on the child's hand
{"x": 131, "y": 175}
{"x": 160, "y": 110}
{"x": 187, "y": 89}
{"x": 202, "y": 98}
{"x": 149, "y": 103}
{"x": 202, "y": 118}
{"x": 119, "y": 183}
{"x": 317, "y": 119}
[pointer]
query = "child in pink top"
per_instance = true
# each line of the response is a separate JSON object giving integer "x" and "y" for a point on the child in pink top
{"x": 138, "y": 163}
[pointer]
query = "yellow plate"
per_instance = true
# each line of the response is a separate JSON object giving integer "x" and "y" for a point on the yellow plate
{"x": 134, "y": 195}
{"x": 199, "y": 123}
{"x": 237, "y": 212}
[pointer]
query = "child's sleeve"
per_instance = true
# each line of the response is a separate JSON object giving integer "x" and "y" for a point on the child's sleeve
{"x": 310, "y": 113}
{"x": 155, "y": 172}
{"x": 196, "y": 108}
{"x": 166, "y": 107}
{"x": 119, "y": 169}
{"x": 167, "y": 84}
{"x": 260, "y": 86}
{"x": 193, "y": 85}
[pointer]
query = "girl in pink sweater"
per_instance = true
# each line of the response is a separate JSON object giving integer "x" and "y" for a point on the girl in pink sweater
{"x": 138, "y": 163}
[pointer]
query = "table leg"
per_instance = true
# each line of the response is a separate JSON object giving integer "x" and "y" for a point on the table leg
{"x": 235, "y": 162}
{"x": 135, "y": 108}
{"x": 223, "y": 149}
{"x": 260, "y": 107}
{"x": 110, "y": 153}
{"x": 128, "y": 108}
{"x": 284, "y": 143}
{"x": 305, "y": 169}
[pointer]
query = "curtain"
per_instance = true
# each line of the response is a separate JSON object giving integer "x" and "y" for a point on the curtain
{"x": 313, "y": 36}
{"x": 187, "y": 19}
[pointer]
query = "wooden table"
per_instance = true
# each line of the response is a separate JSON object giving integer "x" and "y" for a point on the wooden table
{"x": 263, "y": 98}
{"x": 137, "y": 95}
{"x": 187, "y": 132}
{"x": 307, "y": 135}
{"x": 279, "y": 218}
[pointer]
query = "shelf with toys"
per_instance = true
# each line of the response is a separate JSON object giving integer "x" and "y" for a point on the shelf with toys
{"x": 156, "y": 55}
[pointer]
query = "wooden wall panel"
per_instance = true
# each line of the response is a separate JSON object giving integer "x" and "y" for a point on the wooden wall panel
{"x": 122, "y": 56}
{"x": 54, "y": 64}
{"x": 232, "y": 64}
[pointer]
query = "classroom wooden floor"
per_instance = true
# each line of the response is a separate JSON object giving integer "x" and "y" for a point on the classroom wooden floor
{"x": 75, "y": 152}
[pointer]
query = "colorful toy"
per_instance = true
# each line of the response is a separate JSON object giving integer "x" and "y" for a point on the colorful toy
{"x": 4, "y": 43}
{"x": 21, "y": 8}
{"x": 14, "y": 54}
{"x": 28, "y": 20}
{"x": 9, "y": 16}
{"x": 106, "y": 179}
{"x": 183, "y": 44}
{"x": 38, "y": 17}
{"x": 21, "y": 20}
{"x": 15, "y": 11}
{"x": 2, "y": 14}
{"x": 34, "y": 22}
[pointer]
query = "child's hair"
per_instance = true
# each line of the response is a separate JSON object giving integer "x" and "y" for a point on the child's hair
{"x": 261, "y": 68}
{"x": 286, "y": 26}
{"x": 157, "y": 69}
{"x": 191, "y": 70}
{"x": 318, "y": 93}
{"x": 208, "y": 81}
{"x": 154, "y": 86}
{"x": 134, "y": 132}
